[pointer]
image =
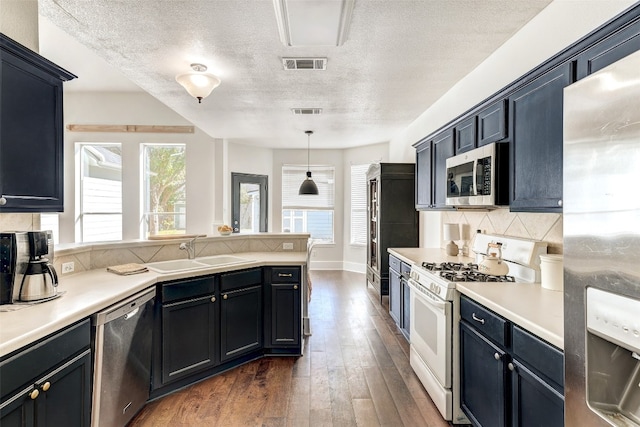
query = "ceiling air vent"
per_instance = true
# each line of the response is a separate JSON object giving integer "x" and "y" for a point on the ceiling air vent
{"x": 306, "y": 111}
{"x": 304, "y": 63}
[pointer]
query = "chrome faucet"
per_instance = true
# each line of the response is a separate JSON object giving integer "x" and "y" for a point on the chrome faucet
{"x": 190, "y": 247}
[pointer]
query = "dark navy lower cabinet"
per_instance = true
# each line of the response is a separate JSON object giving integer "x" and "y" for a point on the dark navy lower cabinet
{"x": 240, "y": 313}
{"x": 535, "y": 402}
{"x": 49, "y": 383}
{"x": 517, "y": 382}
{"x": 188, "y": 324}
{"x": 283, "y": 313}
{"x": 484, "y": 379}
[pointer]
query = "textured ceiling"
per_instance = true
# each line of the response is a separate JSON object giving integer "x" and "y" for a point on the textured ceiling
{"x": 399, "y": 57}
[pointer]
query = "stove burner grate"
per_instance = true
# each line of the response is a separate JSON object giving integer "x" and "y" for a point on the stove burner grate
{"x": 460, "y": 272}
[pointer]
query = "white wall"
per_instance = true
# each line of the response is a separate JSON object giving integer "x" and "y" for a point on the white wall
{"x": 137, "y": 109}
{"x": 556, "y": 27}
{"x": 355, "y": 257}
{"x": 19, "y": 20}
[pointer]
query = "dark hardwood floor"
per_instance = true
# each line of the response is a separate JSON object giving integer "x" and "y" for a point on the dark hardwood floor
{"x": 355, "y": 372}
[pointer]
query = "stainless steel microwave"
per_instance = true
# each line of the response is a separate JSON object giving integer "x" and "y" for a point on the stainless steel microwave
{"x": 479, "y": 178}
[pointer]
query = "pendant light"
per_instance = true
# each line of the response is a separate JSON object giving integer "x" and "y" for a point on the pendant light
{"x": 308, "y": 186}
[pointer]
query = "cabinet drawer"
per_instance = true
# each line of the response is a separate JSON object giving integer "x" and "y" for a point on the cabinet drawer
{"x": 24, "y": 367}
{"x": 394, "y": 263}
{"x": 484, "y": 320}
{"x": 240, "y": 279}
{"x": 541, "y": 357}
{"x": 405, "y": 269}
{"x": 185, "y": 289}
{"x": 285, "y": 275}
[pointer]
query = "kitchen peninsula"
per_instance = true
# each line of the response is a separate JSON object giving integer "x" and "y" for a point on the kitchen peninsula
{"x": 260, "y": 298}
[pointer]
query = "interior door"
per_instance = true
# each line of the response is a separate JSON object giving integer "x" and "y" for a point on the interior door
{"x": 249, "y": 194}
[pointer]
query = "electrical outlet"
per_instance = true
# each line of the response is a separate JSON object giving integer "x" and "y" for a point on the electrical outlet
{"x": 287, "y": 246}
{"x": 68, "y": 267}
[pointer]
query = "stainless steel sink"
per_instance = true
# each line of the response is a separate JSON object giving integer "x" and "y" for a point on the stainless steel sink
{"x": 176, "y": 265}
{"x": 217, "y": 260}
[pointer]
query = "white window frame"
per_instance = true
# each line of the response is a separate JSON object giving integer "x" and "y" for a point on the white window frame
{"x": 80, "y": 200}
{"x": 358, "y": 217}
{"x": 144, "y": 230}
{"x": 324, "y": 177}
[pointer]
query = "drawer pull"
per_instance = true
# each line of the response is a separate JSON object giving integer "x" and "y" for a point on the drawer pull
{"x": 496, "y": 356}
{"x": 295, "y": 286}
{"x": 34, "y": 394}
{"x": 46, "y": 386}
{"x": 511, "y": 367}
{"x": 213, "y": 299}
{"x": 285, "y": 275}
{"x": 225, "y": 296}
{"x": 477, "y": 319}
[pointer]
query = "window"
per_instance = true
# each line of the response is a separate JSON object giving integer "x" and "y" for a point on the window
{"x": 100, "y": 201}
{"x": 359, "y": 204}
{"x": 306, "y": 213}
{"x": 164, "y": 178}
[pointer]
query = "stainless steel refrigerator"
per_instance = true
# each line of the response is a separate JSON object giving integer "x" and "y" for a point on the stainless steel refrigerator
{"x": 601, "y": 224}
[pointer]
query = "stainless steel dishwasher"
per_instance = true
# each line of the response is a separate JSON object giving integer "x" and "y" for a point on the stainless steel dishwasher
{"x": 122, "y": 346}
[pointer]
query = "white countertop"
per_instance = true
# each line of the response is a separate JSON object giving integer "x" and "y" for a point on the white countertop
{"x": 529, "y": 305}
{"x": 89, "y": 292}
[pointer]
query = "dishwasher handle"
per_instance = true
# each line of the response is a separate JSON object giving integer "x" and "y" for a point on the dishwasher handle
{"x": 127, "y": 308}
{"x": 131, "y": 314}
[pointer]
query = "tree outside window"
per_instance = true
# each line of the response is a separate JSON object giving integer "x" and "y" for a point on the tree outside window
{"x": 164, "y": 189}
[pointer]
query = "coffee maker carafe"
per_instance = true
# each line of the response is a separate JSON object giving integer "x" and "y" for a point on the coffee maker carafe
{"x": 40, "y": 278}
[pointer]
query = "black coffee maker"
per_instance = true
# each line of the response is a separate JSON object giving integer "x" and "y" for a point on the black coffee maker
{"x": 40, "y": 279}
{"x": 25, "y": 273}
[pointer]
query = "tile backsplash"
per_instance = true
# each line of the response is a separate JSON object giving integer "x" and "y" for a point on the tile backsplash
{"x": 90, "y": 257}
{"x": 19, "y": 221}
{"x": 537, "y": 226}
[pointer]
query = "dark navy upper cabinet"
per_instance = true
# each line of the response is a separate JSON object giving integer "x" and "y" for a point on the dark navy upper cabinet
{"x": 424, "y": 195}
{"x": 465, "y": 135}
{"x": 612, "y": 48}
{"x": 492, "y": 123}
{"x": 31, "y": 130}
{"x": 442, "y": 149}
{"x": 431, "y": 170}
{"x": 536, "y": 142}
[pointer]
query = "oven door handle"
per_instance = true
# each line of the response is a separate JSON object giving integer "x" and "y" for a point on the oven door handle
{"x": 431, "y": 299}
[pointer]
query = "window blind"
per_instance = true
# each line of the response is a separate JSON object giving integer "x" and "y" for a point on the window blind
{"x": 359, "y": 204}
{"x": 292, "y": 177}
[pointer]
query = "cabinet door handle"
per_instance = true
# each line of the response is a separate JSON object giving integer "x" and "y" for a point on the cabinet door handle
{"x": 46, "y": 386}
{"x": 477, "y": 319}
{"x": 295, "y": 286}
{"x": 511, "y": 367}
{"x": 213, "y": 299}
{"x": 225, "y": 296}
{"x": 3, "y": 201}
{"x": 34, "y": 394}
{"x": 285, "y": 275}
{"x": 497, "y": 356}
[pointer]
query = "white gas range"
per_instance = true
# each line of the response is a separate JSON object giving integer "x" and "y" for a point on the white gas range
{"x": 435, "y": 313}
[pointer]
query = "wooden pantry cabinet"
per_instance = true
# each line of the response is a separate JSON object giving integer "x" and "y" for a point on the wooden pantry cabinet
{"x": 392, "y": 220}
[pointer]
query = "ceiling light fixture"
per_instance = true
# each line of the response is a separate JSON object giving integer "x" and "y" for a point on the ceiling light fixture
{"x": 313, "y": 22}
{"x": 308, "y": 186}
{"x": 199, "y": 83}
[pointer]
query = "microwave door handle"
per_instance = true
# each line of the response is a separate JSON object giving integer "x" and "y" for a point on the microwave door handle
{"x": 475, "y": 177}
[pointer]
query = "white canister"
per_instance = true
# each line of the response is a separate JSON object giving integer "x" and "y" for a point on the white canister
{"x": 551, "y": 272}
